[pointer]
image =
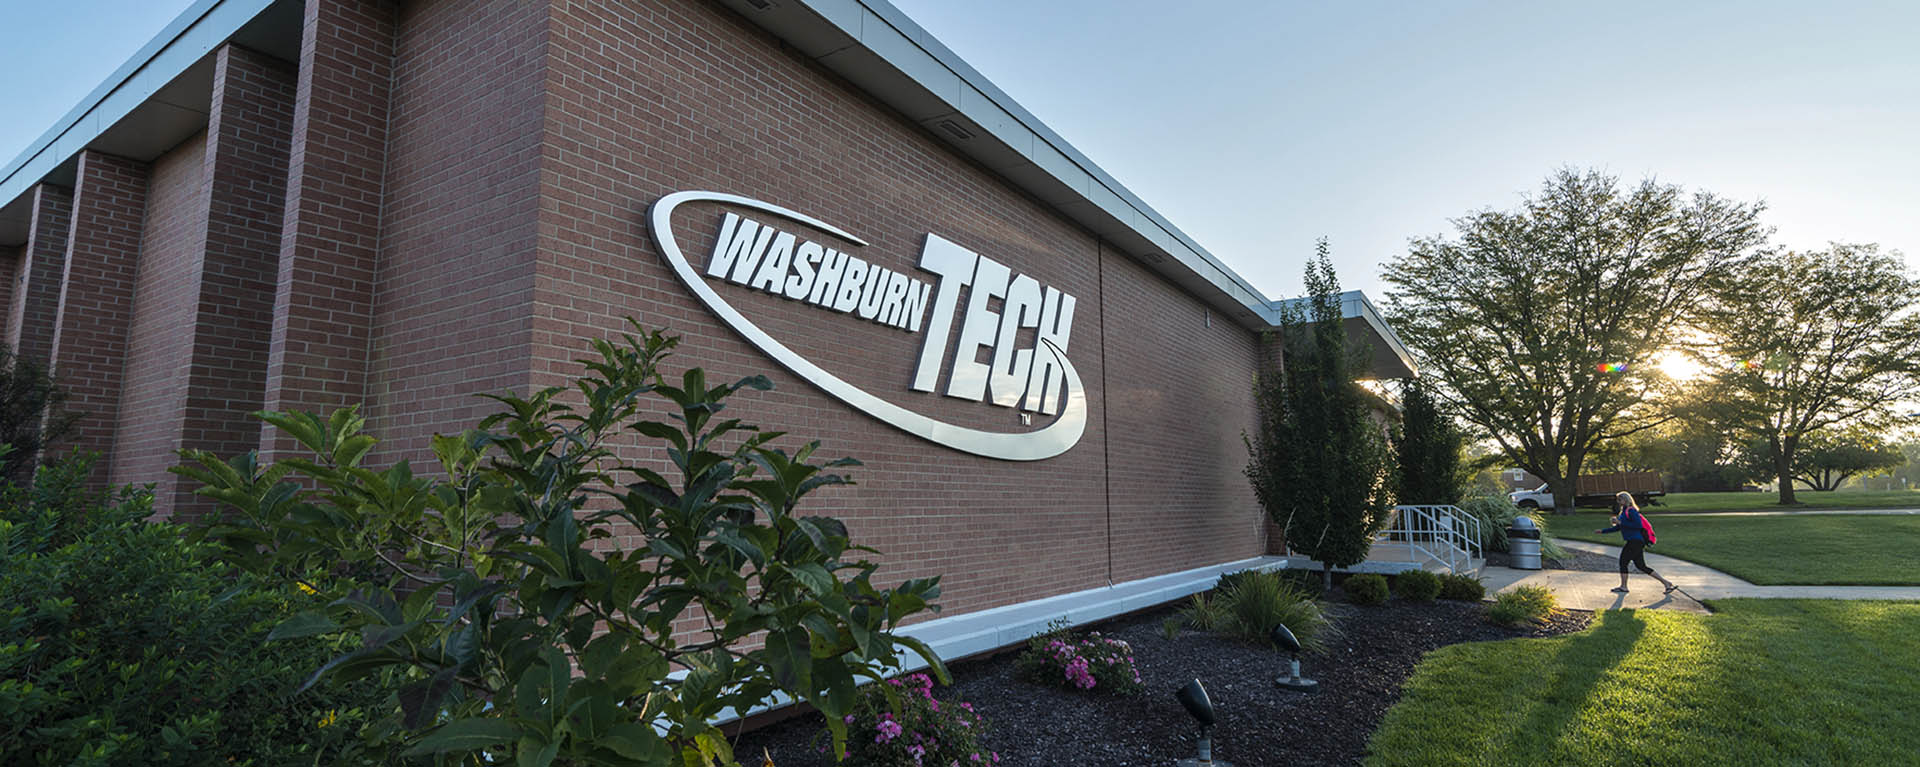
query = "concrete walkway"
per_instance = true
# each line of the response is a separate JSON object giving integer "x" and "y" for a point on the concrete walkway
{"x": 1593, "y": 591}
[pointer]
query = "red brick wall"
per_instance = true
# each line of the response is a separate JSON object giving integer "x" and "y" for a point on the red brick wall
{"x": 452, "y": 314}
{"x": 160, "y": 339}
{"x": 330, "y": 236}
{"x": 96, "y": 297}
{"x": 37, "y": 297}
{"x": 650, "y": 98}
{"x": 1178, "y": 402}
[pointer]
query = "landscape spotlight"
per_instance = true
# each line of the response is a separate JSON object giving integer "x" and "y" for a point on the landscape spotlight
{"x": 1286, "y": 641}
{"x": 1194, "y": 698}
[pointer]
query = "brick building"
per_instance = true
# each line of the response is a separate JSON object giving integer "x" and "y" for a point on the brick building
{"x": 303, "y": 205}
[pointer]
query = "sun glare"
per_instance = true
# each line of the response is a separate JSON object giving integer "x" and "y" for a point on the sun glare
{"x": 1677, "y": 365}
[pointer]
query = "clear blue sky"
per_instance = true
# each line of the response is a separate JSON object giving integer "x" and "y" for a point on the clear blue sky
{"x": 1258, "y": 127}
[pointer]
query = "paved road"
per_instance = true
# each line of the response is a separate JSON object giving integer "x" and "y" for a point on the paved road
{"x": 1593, "y": 591}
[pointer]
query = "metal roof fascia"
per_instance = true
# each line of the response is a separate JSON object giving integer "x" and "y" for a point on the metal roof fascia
{"x": 197, "y": 30}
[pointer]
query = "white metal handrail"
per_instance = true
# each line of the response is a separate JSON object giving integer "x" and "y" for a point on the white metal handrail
{"x": 1441, "y": 533}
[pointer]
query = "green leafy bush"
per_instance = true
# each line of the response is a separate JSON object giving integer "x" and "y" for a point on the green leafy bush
{"x": 1366, "y": 589}
{"x": 1496, "y": 513}
{"x": 1417, "y": 585}
{"x": 532, "y": 599}
{"x": 901, "y": 724}
{"x": 1465, "y": 588}
{"x": 1525, "y": 604}
{"x": 1063, "y": 658}
{"x": 123, "y": 643}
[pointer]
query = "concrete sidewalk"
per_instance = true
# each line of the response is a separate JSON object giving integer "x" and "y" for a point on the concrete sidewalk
{"x": 1593, "y": 591}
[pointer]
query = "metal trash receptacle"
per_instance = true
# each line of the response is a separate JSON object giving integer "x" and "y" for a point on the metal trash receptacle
{"x": 1523, "y": 544}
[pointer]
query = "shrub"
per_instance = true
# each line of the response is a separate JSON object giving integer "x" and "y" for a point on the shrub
{"x": 1257, "y": 603}
{"x": 1465, "y": 588}
{"x": 901, "y": 724}
{"x": 1526, "y": 604}
{"x": 1206, "y": 612}
{"x": 1366, "y": 589}
{"x": 123, "y": 643}
{"x": 1092, "y": 662}
{"x": 1229, "y": 580}
{"x": 1417, "y": 585}
{"x": 540, "y": 575}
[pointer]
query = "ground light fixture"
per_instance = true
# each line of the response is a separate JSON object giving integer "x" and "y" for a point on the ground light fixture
{"x": 1286, "y": 641}
{"x": 1193, "y": 697}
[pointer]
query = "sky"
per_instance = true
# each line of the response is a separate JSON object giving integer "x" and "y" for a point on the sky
{"x": 1259, "y": 127}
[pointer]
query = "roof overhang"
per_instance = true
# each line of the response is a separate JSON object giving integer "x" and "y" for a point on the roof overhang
{"x": 158, "y": 98}
{"x": 1386, "y": 356}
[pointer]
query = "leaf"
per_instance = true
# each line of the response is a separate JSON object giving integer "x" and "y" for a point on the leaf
{"x": 790, "y": 658}
{"x": 420, "y": 700}
{"x": 466, "y": 735}
{"x": 535, "y": 753}
{"x": 306, "y": 624}
{"x": 815, "y": 578}
{"x": 938, "y": 667}
{"x": 636, "y": 741}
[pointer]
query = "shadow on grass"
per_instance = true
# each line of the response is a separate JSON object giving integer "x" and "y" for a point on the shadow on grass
{"x": 1564, "y": 695}
{"x": 1514, "y": 701}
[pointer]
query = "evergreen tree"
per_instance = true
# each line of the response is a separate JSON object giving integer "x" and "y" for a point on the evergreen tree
{"x": 1428, "y": 448}
{"x": 1320, "y": 465}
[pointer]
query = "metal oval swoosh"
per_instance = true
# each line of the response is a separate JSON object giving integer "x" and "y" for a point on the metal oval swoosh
{"x": 1047, "y": 442}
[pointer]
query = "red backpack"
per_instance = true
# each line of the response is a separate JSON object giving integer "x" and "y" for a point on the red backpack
{"x": 1646, "y": 525}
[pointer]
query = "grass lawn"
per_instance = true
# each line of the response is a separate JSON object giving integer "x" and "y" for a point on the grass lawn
{"x": 1762, "y": 682}
{"x": 1836, "y": 550}
{"x": 1861, "y": 499}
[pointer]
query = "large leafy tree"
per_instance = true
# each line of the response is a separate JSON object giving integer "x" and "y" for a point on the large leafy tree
{"x": 1428, "y": 447}
{"x": 1537, "y": 322}
{"x": 1806, "y": 342}
{"x": 1320, "y": 464}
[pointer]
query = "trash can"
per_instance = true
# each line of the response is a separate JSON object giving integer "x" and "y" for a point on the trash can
{"x": 1523, "y": 544}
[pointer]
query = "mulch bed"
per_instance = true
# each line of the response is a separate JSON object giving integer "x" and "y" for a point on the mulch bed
{"x": 1260, "y": 724}
{"x": 1583, "y": 561}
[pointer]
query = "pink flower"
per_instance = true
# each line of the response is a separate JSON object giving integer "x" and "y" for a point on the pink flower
{"x": 888, "y": 730}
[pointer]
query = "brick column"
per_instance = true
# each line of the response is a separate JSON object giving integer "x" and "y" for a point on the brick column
{"x": 96, "y": 295}
{"x": 244, "y": 172}
{"x": 36, "y": 295}
{"x": 330, "y": 238}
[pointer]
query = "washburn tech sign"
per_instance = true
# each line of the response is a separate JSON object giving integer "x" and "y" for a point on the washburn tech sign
{"x": 759, "y": 255}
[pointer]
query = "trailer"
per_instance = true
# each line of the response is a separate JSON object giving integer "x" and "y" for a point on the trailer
{"x": 1597, "y": 490}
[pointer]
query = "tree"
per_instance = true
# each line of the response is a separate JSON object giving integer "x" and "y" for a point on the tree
{"x": 1537, "y": 324}
{"x": 1827, "y": 459}
{"x": 1320, "y": 464}
{"x": 1810, "y": 341}
{"x": 32, "y": 414}
{"x": 1428, "y": 448}
{"x": 533, "y": 605}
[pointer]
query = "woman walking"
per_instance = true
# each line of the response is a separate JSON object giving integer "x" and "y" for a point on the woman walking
{"x": 1632, "y": 527}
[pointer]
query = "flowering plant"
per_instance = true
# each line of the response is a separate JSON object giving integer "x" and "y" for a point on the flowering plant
{"x": 1090, "y": 662}
{"x": 901, "y": 724}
